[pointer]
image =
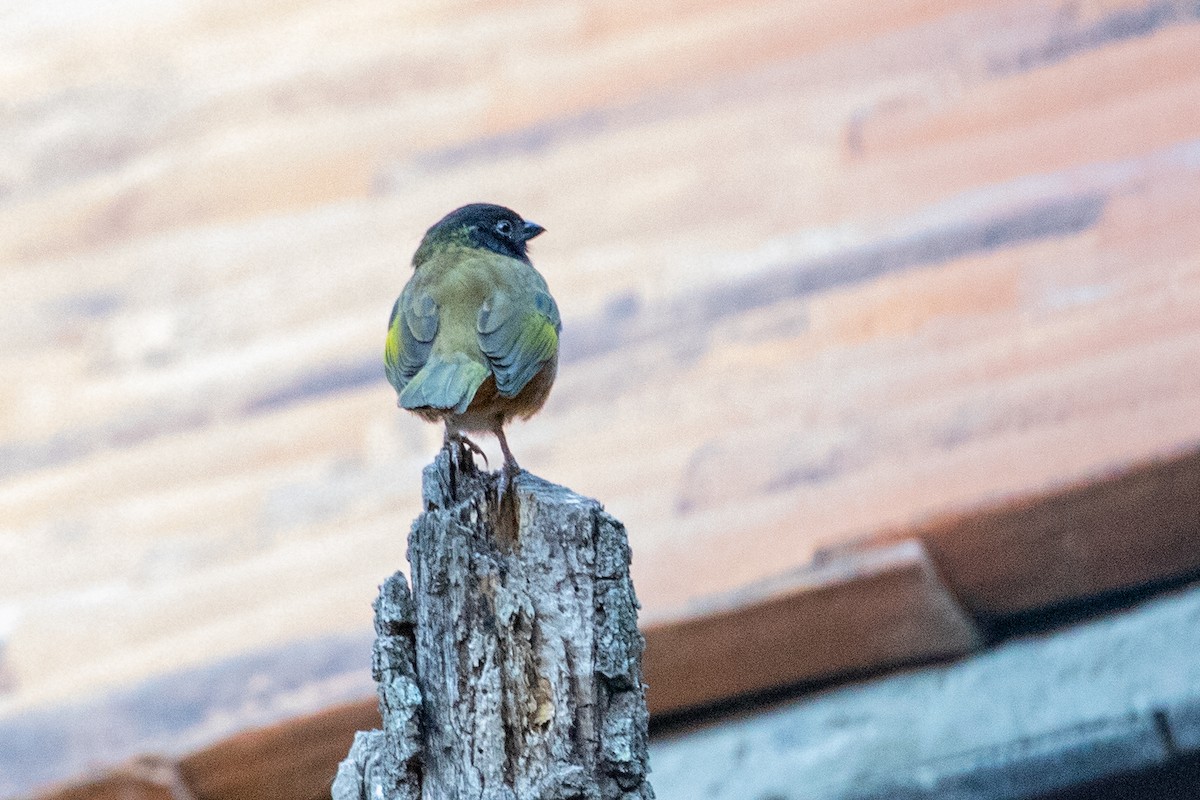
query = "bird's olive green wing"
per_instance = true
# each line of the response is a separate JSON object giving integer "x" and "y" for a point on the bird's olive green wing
{"x": 411, "y": 329}
{"x": 519, "y": 336}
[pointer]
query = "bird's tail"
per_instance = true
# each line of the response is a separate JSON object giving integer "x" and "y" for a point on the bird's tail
{"x": 447, "y": 384}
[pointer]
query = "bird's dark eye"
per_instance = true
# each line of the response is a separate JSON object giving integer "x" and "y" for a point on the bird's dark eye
{"x": 504, "y": 227}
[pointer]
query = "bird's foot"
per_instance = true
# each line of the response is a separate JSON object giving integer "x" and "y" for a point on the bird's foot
{"x": 463, "y": 443}
{"x": 475, "y": 449}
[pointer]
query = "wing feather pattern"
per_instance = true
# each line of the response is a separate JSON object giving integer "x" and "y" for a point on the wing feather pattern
{"x": 518, "y": 338}
{"x": 411, "y": 330}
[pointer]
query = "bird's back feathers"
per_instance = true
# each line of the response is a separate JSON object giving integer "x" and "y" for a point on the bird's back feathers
{"x": 465, "y": 314}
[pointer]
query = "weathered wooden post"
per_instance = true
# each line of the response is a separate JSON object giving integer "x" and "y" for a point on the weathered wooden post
{"x": 513, "y": 669}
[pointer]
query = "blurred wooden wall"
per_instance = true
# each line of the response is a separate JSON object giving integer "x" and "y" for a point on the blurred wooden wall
{"x": 831, "y": 274}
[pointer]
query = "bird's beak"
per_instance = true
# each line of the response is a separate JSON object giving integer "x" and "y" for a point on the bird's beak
{"x": 531, "y": 230}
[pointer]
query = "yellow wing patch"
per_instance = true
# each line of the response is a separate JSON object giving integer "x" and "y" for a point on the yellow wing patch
{"x": 403, "y": 352}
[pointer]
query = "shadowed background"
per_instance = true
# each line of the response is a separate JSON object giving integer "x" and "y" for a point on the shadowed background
{"x": 827, "y": 272}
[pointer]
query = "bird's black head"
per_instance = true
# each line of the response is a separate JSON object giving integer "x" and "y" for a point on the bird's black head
{"x": 484, "y": 225}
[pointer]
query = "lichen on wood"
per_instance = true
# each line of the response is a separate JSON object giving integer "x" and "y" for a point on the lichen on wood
{"x": 526, "y": 656}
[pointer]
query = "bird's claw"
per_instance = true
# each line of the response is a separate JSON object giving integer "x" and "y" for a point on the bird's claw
{"x": 476, "y": 449}
{"x": 466, "y": 444}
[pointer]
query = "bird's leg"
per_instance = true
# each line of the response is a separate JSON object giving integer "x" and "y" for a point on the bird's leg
{"x": 510, "y": 463}
{"x": 448, "y": 446}
{"x": 510, "y": 469}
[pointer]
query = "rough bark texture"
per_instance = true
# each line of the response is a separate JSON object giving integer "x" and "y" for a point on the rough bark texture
{"x": 385, "y": 765}
{"x": 527, "y": 652}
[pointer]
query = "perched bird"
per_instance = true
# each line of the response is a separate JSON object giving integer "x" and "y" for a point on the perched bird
{"x": 473, "y": 338}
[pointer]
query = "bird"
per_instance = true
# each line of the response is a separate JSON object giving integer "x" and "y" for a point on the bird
{"x": 473, "y": 339}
